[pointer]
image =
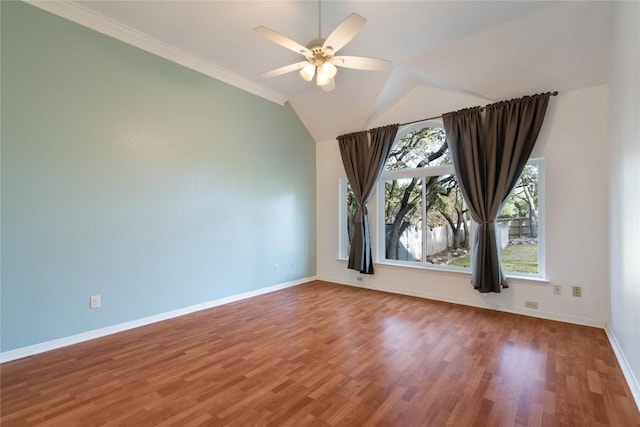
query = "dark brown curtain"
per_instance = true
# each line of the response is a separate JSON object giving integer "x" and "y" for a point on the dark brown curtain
{"x": 489, "y": 157}
{"x": 364, "y": 155}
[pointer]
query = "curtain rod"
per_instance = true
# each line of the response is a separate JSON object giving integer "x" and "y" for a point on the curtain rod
{"x": 555, "y": 93}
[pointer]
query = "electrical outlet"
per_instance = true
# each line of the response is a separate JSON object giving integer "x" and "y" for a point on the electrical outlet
{"x": 292, "y": 265}
{"x": 577, "y": 291}
{"x": 276, "y": 267}
{"x": 94, "y": 301}
{"x": 360, "y": 279}
{"x": 556, "y": 289}
{"x": 531, "y": 304}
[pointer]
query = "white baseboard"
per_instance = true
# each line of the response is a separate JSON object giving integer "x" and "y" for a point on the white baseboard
{"x": 561, "y": 317}
{"x": 31, "y": 350}
{"x": 632, "y": 381}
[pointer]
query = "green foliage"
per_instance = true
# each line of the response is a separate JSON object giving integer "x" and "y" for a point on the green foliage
{"x": 513, "y": 208}
{"x": 442, "y": 199}
{"x": 352, "y": 204}
{"x": 520, "y": 258}
{"x": 524, "y": 195}
{"x": 515, "y": 258}
{"x": 352, "y": 208}
{"x": 404, "y": 197}
{"x": 423, "y": 147}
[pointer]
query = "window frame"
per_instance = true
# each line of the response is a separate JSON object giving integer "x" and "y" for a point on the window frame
{"x": 380, "y": 246}
{"x": 378, "y": 242}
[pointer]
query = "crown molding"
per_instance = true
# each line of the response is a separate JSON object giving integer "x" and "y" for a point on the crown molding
{"x": 97, "y": 22}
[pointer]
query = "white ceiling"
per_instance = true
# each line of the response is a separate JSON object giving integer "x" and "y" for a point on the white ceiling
{"x": 446, "y": 55}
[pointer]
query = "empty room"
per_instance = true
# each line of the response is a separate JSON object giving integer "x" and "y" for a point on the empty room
{"x": 320, "y": 213}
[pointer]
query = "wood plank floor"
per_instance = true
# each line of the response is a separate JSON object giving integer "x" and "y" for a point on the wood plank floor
{"x": 323, "y": 354}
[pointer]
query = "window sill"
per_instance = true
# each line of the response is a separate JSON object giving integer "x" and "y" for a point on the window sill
{"x": 537, "y": 281}
{"x": 531, "y": 280}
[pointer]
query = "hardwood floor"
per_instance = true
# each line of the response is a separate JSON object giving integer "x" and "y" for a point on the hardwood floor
{"x": 323, "y": 354}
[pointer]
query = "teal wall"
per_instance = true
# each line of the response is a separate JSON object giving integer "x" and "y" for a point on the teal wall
{"x": 128, "y": 176}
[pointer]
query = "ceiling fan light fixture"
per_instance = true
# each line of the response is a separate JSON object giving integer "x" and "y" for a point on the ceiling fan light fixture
{"x": 322, "y": 79}
{"x": 327, "y": 69}
{"x": 308, "y": 71}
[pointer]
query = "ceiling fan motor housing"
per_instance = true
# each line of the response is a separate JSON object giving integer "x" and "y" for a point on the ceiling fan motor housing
{"x": 318, "y": 54}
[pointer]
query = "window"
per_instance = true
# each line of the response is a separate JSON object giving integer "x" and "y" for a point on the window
{"x": 521, "y": 224}
{"x": 424, "y": 220}
{"x": 347, "y": 217}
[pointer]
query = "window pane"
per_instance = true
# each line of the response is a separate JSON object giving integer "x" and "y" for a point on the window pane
{"x": 347, "y": 203}
{"x": 423, "y": 147}
{"x": 448, "y": 222}
{"x": 403, "y": 219}
{"x": 517, "y": 230}
{"x": 351, "y": 215}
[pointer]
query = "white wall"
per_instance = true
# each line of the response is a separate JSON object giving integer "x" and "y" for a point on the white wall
{"x": 624, "y": 329}
{"x": 573, "y": 142}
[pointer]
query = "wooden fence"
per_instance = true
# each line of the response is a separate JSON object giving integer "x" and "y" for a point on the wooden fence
{"x": 518, "y": 227}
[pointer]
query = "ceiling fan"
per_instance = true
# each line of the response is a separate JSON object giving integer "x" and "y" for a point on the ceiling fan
{"x": 320, "y": 53}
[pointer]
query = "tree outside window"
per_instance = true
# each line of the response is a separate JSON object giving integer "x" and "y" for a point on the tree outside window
{"x": 425, "y": 217}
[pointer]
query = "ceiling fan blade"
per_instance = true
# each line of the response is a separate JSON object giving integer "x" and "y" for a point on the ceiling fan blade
{"x": 286, "y": 69}
{"x": 361, "y": 63}
{"x": 329, "y": 86}
{"x": 282, "y": 40}
{"x": 344, "y": 32}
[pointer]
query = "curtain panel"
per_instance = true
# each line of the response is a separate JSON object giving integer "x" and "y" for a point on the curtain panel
{"x": 488, "y": 157}
{"x": 364, "y": 155}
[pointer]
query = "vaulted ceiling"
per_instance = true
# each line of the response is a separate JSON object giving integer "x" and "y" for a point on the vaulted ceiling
{"x": 446, "y": 55}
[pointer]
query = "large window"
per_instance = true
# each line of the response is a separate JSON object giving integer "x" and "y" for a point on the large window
{"x": 422, "y": 214}
{"x": 424, "y": 220}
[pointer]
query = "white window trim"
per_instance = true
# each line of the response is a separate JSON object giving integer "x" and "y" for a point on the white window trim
{"x": 542, "y": 219}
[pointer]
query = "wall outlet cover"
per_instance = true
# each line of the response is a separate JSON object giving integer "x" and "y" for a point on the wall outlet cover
{"x": 94, "y": 301}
